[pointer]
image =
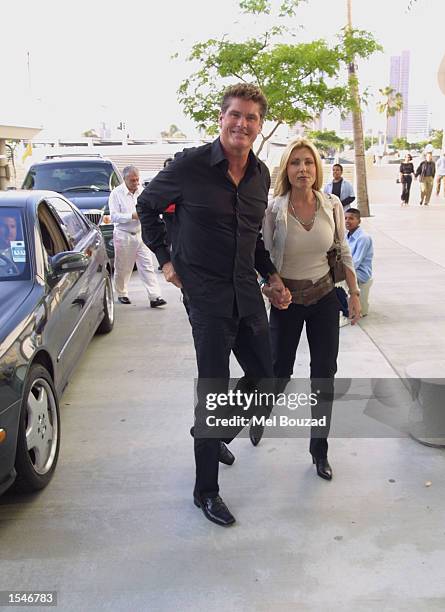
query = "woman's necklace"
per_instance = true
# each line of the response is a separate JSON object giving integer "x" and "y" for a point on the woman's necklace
{"x": 305, "y": 223}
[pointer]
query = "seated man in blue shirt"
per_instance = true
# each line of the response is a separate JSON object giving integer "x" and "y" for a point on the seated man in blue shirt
{"x": 362, "y": 253}
{"x": 341, "y": 188}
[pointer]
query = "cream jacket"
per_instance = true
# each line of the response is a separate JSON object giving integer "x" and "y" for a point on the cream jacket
{"x": 275, "y": 226}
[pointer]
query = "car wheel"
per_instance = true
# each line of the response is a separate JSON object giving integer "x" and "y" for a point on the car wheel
{"x": 38, "y": 437}
{"x": 107, "y": 323}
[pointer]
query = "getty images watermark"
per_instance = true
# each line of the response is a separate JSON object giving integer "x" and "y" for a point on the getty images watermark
{"x": 256, "y": 399}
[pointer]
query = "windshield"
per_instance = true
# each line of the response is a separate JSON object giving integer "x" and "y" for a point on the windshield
{"x": 72, "y": 176}
{"x": 14, "y": 255}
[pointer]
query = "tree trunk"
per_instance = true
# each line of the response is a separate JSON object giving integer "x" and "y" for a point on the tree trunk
{"x": 266, "y": 138}
{"x": 359, "y": 144}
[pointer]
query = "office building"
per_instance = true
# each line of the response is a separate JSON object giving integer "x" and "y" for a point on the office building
{"x": 399, "y": 81}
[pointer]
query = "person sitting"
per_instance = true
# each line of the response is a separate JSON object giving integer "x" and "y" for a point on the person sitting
{"x": 362, "y": 251}
{"x": 339, "y": 187}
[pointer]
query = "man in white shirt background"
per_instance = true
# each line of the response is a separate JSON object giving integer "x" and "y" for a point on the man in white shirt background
{"x": 440, "y": 171}
{"x": 128, "y": 245}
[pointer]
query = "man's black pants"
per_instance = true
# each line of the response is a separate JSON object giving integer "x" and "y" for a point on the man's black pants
{"x": 215, "y": 338}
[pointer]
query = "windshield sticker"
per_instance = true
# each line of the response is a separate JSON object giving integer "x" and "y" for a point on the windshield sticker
{"x": 18, "y": 251}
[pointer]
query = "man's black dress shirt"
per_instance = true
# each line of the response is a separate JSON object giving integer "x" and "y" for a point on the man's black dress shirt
{"x": 426, "y": 168}
{"x": 217, "y": 245}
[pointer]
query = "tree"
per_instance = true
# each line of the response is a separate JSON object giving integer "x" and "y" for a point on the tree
{"x": 297, "y": 79}
{"x": 391, "y": 104}
{"x": 327, "y": 142}
{"x": 90, "y": 133}
{"x": 401, "y": 143}
{"x": 173, "y": 132}
{"x": 352, "y": 44}
{"x": 436, "y": 138}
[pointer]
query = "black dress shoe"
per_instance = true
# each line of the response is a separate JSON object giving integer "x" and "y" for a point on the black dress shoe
{"x": 214, "y": 510}
{"x": 324, "y": 470}
{"x": 256, "y": 433}
{"x": 124, "y": 300}
{"x": 157, "y": 302}
{"x": 225, "y": 456}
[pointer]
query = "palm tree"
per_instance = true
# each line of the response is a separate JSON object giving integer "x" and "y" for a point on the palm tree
{"x": 357, "y": 125}
{"x": 391, "y": 104}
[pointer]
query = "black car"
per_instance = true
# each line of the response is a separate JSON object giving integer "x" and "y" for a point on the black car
{"x": 55, "y": 293}
{"x": 86, "y": 180}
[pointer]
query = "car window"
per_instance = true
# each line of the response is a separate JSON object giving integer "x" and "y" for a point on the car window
{"x": 73, "y": 226}
{"x": 14, "y": 248}
{"x": 54, "y": 241}
{"x": 69, "y": 176}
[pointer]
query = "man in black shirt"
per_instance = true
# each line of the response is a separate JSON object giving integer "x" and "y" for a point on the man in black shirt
{"x": 426, "y": 172}
{"x": 220, "y": 191}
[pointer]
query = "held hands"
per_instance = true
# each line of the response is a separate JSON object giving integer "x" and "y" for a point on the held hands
{"x": 135, "y": 216}
{"x": 355, "y": 309}
{"x": 278, "y": 294}
{"x": 170, "y": 274}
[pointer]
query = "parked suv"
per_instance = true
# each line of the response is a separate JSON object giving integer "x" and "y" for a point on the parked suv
{"x": 86, "y": 180}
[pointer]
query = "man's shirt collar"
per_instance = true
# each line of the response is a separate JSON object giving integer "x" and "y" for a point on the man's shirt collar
{"x": 217, "y": 156}
{"x": 356, "y": 233}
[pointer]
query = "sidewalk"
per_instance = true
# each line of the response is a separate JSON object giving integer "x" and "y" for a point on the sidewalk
{"x": 117, "y": 528}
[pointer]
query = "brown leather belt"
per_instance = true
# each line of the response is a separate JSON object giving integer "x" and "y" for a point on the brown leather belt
{"x": 306, "y": 292}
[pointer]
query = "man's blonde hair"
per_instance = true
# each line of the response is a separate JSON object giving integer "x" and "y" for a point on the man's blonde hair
{"x": 282, "y": 185}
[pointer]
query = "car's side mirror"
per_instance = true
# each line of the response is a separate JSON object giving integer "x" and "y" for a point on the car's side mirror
{"x": 68, "y": 261}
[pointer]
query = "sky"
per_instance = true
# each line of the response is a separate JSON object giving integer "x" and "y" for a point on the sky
{"x": 101, "y": 60}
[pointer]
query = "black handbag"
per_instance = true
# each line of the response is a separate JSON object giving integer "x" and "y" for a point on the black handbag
{"x": 335, "y": 261}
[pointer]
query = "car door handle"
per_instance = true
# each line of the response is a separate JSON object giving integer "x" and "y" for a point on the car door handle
{"x": 79, "y": 301}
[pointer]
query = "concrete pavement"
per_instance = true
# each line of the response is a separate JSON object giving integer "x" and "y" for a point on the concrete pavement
{"x": 117, "y": 529}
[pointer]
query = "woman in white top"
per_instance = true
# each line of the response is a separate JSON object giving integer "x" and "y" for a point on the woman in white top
{"x": 298, "y": 231}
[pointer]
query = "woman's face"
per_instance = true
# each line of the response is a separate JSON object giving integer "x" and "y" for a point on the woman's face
{"x": 407, "y": 158}
{"x": 301, "y": 169}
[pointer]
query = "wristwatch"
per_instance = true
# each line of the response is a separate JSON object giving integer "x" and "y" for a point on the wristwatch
{"x": 354, "y": 292}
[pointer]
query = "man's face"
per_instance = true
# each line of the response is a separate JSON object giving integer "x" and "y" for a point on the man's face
{"x": 11, "y": 224}
{"x": 336, "y": 173}
{"x": 351, "y": 221}
{"x": 132, "y": 181}
{"x": 429, "y": 157}
{"x": 239, "y": 125}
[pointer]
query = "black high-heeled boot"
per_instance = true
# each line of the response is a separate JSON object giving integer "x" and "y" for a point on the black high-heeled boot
{"x": 324, "y": 470}
{"x": 256, "y": 433}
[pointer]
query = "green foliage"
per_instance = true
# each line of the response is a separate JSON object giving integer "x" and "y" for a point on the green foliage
{"x": 299, "y": 80}
{"x": 173, "y": 132}
{"x": 327, "y": 142}
{"x": 257, "y": 7}
{"x": 401, "y": 143}
{"x": 356, "y": 43}
{"x": 392, "y": 102}
{"x": 91, "y": 133}
{"x": 436, "y": 137}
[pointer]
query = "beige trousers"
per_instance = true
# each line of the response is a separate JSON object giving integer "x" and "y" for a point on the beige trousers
{"x": 426, "y": 187}
{"x": 364, "y": 296}
{"x": 440, "y": 180}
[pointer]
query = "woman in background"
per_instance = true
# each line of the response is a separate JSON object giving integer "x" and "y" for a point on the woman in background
{"x": 406, "y": 178}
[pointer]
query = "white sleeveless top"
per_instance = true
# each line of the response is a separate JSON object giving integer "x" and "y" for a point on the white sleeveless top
{"x": 305, "y": 251}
